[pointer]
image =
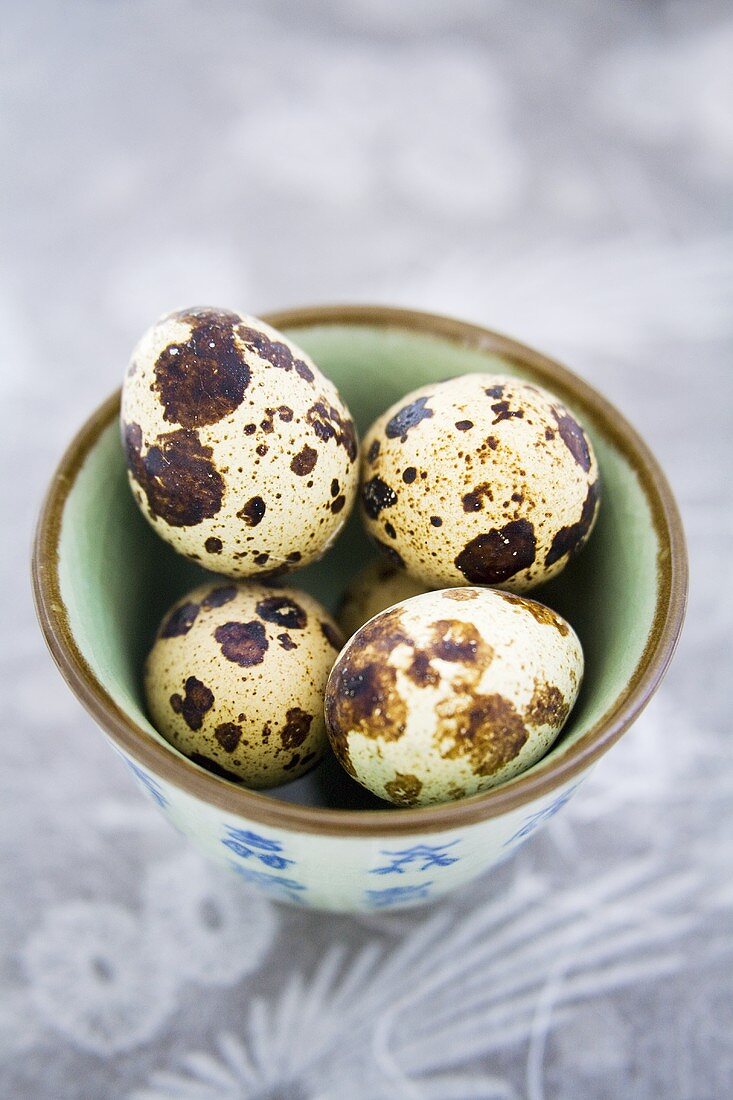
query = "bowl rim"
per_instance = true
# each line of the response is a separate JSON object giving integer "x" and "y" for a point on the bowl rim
{"x": 672, "y": 579}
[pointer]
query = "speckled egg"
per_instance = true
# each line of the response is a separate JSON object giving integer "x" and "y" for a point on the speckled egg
{"x": 483, "y": 479}
{"x": 240, "y": 453}
{"x": 235, "y": 680}
{"x": 450, "y": 693}
{"x": 377, "y": 586}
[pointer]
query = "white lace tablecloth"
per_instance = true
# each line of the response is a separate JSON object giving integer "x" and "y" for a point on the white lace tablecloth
{"x": 561, "y": 171}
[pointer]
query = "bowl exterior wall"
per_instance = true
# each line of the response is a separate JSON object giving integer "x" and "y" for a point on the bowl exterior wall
{"x": 348, "y": 874}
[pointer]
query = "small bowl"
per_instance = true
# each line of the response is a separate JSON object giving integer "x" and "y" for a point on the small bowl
{"x": 102, "y": 579}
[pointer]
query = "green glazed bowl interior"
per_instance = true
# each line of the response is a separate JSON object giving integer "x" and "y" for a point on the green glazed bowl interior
{"x": 103, "y": 578}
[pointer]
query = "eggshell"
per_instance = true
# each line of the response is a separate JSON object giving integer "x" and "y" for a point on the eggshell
{"x": 235, "y": 680}
{"x": 240, "y": 453}
{"x": 450, "y": 693}
{"x": 483, "y": 479}
{"x": 377, "y": 586}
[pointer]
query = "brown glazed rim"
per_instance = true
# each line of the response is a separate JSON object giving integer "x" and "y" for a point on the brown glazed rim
{"x": 182, "y": 773}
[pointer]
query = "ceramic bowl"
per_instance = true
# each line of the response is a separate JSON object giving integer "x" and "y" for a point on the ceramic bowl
{"x": 102, "y": 580}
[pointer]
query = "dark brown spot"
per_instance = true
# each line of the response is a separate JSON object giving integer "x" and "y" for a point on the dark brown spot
{"x": 337, "y": 736}
{"x": 373, "y": 451}
{"x": 492, "y": 442}
{"x": 337, "y": 504}
{"x": 292, "y": 762}
{"x": 464, "y": 425}
{"x": 484, "y": 728}
{"x": 389, "y": 553}
{"x": 460, "y": 594}
{"x": 570, "y": 540}
{"x": 495, "y": 391}
{"x": 182, "y": 485}
{"x": 384, "y": 633}
{"x": 421, "y": 672}
{"x": 474, "y": 501}
{"x": 454, "y": 640}
{"x": 180, "y": 621}
{"x": 274, "y": 352}
{"x": 202, "y": 379}
{"x": 304, "y": 461}
{"x": 213, "y": 767}
{"x": 328, "y": 423}
{"x": 219, "y": 596}
{"x": 295, "y": 556}
{"x": 538, "y": 611}
{"x": 304, "y": 370}
{"x": 409, "y": 475}
{"x": 409, "y": 416}
{"x": 436, "y": 521}
{"x": 294, "y": 732}
{"x": 213, "y": 545}
{"x": 573, "y": 437}
{"x": 364, "y": 698}
{"x": 376, "y": 495}
{"x": 243, "y": 643}
{"x": 403, "y": 790}
{"x": 286, "y": 641}
{"x": 547, "y": 707}
{"x": 194, "y": 704}
{"x": 250, "y": 429}
{"x": 253, "y": 511}
{"x": 549, "y": 434}
{"x": 503, "y": 412}
{"x": 335, "y": 488}
{"x": 282, "y": 611}
{"x": 362, "y": 693}
{"x": 389, "y": 530}
{"x": 261, "y": 559}
{"x": 267, "y": 425}
{"x": 498, "y": 555}
{"x": 261, "y": 449}
{"x": 228, "y": 735}
{"x": 285, "y": 413}
{"x": 332, "y": 636}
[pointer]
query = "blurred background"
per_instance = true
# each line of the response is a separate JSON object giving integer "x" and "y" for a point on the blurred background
{"x": 557, "y": 170}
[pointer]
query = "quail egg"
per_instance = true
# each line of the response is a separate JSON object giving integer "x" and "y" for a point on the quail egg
{"x": 240, "y": 453}
{"x": 235, "y": 680}
{"x": 483, "y": 479}
{"x": 450, "y": 693}
{"x": 377, "y": 586}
